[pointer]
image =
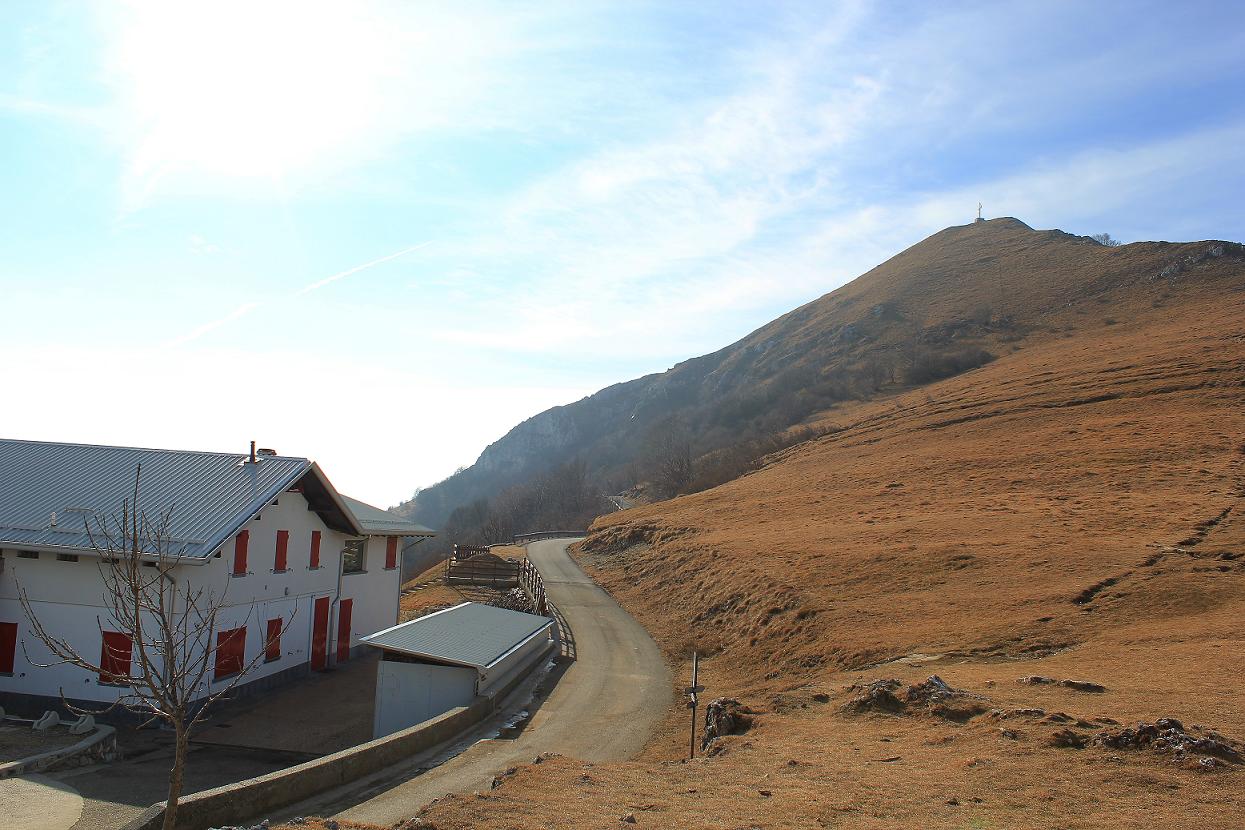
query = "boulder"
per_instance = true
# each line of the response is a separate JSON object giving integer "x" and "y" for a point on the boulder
{"x": 725, "y": 716}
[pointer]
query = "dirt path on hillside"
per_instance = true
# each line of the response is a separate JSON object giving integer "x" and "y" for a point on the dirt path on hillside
{"x": 605, "y": 707}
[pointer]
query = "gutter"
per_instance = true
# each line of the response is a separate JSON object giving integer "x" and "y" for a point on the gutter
{"x": 92, "y": 552}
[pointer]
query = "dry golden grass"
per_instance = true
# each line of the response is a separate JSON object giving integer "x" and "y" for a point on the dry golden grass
{"x": 1075, "y": 509}
{"x": 1052, "y": 513}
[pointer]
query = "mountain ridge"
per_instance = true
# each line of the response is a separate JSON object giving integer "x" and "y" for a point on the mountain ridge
{"x": 953, "y": 301}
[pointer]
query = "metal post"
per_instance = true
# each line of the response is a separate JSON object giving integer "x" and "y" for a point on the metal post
{"x": 692, "y": 691}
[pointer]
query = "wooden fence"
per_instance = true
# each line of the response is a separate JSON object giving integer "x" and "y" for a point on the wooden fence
{"x": 467, "y": 567}
{"x": 520, "y": 538}
{"x": 532, "y": 582}
{"x": 474, "y": 570}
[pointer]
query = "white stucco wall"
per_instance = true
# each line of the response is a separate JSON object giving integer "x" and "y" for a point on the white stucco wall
{"x": 375, "y": 592}
{"x": 67, "y": 598}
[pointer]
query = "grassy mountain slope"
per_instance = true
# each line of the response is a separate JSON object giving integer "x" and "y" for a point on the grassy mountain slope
{"x": 940, "y": 307}
{"x": 1073, "y": 510}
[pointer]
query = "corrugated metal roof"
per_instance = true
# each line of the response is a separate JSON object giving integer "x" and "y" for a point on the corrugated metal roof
{"x": 470, "y": 634}
{"x": 382, "y": 522}
{"x": 211, "y": 495}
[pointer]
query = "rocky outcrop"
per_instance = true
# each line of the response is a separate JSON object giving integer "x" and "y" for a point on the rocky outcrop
{"x": 725, "y": 716}
{"x": 933, "y": 696}
{"x": 1077, "y": 685}
{"x": 1169, "y": 736}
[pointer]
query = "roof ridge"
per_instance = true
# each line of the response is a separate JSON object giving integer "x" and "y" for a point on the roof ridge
{"x": 242, "y": 454}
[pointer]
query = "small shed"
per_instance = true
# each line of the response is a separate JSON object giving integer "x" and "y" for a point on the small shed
{"x": 446, "y": 659}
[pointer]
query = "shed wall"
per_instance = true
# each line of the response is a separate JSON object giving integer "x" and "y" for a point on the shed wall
{"x": 411, "y": 693}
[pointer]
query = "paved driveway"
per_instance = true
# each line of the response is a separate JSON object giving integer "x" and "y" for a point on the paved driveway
{"x": 35, "y": 802}
{"x": 309, "y": 717}
{"x": 605, "y": 707}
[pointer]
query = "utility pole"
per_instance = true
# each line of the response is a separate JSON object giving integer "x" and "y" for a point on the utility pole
{"x": 692, "y": 691}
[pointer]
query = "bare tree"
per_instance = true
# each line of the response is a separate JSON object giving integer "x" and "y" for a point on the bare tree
{"x": 1106, "y": 239}
{"x": 670, "y": 457}
{"x": 163, "y": 670}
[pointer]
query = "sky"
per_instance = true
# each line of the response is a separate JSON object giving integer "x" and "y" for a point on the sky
{"x": 380, "y": 234}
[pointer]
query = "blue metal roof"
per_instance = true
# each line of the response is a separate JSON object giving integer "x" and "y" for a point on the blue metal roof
{"x": 471, "y": 634}
{"x": 211, "y": 495}
{"x": 383, "y": 523}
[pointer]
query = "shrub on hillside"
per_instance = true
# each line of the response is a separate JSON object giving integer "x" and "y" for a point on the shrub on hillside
{"x": 929, "y": 365}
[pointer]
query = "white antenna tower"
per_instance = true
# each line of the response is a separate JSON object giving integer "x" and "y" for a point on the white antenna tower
{"x": 979, "y": 219}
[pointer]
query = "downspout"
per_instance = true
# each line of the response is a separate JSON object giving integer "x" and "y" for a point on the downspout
{"x": 335, "y": 610}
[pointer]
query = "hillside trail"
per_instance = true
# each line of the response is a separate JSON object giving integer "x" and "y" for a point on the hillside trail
{"x": 605, "y": 707}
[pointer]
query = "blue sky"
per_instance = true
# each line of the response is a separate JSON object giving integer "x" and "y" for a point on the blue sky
{"x": 381, "y": 234}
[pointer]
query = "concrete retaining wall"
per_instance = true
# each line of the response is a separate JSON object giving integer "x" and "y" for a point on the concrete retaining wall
{"x": 100, "y": 745}
{"x": 245, "y": 800}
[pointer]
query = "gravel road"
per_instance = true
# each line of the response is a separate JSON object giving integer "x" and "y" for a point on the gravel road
{"x": 604, "y": 708}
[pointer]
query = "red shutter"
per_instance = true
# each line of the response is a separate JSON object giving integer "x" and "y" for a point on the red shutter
{"x": 320, "y": 635}
{"x": 239, "y": 552}
{"x": 283, "y": 544}
{"x": 8, "y": 646}
{"x": 315, "y": 548}
{"x": 230, "y": 652}
{"x": 343, "y": 629}
{"x": 114, "y": 659}
{"x": 272, "y": 645}
{"x": 391, "y": 552}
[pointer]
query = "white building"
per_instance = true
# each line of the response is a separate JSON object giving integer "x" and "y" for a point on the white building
{"x": 269, "y": 533}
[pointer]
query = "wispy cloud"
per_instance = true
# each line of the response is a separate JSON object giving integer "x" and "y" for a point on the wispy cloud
{"x": 840, "y": 148}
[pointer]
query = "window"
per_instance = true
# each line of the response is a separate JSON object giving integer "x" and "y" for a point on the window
{"x": 8, "y": 646}
{"x": 354, "y": 556}
{"x": 239, "y": 552}
{"x": 315, "y": 549}
{"x": 114, "y": 658}
{"x": 272, "y": 642}
{"x": 66, "y": 557}
{"x": 283, "y": 545}
{"x": 391, "y": 553}
{"x": 230, "y": 652}
{"x": 28, "y": 554}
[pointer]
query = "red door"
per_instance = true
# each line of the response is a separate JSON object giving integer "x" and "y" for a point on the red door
{"x": 343, "y": 630}
{"x": 8, "y": 646}
{"x": 320, "y": 635}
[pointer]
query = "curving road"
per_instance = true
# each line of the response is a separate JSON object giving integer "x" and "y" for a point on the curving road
{"x": 605, "y": 706}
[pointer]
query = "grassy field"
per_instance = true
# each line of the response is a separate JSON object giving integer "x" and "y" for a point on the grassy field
{"x": 1073, "y": 510}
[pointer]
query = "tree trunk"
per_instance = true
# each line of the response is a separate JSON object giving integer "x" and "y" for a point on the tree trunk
{"x": 181, "y": 744}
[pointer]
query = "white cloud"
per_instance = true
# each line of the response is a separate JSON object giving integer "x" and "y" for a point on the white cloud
{"x": 236, "y": 97}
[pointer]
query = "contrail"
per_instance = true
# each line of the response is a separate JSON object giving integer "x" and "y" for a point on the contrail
{"x": 321, "y": 283}
{"x": 240, "y": 311}
{"x": 247, "y": 308}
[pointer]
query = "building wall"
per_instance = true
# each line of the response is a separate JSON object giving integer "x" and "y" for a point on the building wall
{"x": 375, "y": 592}
{"x": 67, "y": 599}
{"x": 411, "y": 693}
